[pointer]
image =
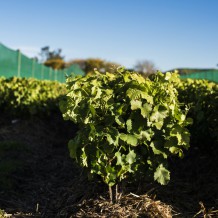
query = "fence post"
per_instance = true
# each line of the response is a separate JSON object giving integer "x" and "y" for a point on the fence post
{"x": 18, "y": 62}
{"x": 55, "y": 75}
{"x": 50, "y": 73}
{"x": 33, "y": 68}
{"x": 42, "y": 72}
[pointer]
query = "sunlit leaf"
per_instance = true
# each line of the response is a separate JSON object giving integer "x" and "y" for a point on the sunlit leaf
{"x": 130, "y": 157}
{"x": 129, "y": 139}
{"x": 162, "y": 175}
{"x": 135, "y": 104}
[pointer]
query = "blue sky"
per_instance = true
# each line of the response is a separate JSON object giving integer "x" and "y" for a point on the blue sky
{"x": 171, "y": 33}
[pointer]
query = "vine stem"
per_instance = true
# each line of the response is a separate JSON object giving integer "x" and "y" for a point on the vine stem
{"x": 111, "y": 194}
{"x": 117, "y": 194}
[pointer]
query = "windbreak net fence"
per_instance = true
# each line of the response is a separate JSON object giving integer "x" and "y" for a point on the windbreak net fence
{"x": 14, "y": 63}
{"x": 208, "y": 75}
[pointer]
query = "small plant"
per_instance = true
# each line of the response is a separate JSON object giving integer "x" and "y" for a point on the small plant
{"x": 128, "y": 125}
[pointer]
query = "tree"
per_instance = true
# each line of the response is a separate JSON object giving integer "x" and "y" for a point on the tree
{"x": 80, "y": 62}
{"x": 52, "y": 59}
{"x": 145, "y": 67}
{"x": 90, "y": 64}
{"x": 55, "y": 63}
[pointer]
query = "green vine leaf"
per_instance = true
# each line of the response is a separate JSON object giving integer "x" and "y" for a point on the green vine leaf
{"x": 129, "y": 125}
{"x": 158, "y": 149}
{"x": 162, "y": 175}
{"x": 119, "y": 157}
{"x": 131, "y": 157}
{"x": 135, "y": 104}
{"x": 129, "y": 139}
{"x": 146, "y": 110}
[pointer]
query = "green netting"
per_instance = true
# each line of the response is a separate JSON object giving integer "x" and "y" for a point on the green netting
{"x": 208, "y": 75}
{"x": 8, "y": 62}
{"x": 14, "y": 63}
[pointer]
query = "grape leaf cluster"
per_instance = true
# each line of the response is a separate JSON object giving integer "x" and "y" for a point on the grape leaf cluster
{"x": 128, "y": 125}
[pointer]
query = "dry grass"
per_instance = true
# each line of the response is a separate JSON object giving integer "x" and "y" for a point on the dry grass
{"x": 130, "y": 205}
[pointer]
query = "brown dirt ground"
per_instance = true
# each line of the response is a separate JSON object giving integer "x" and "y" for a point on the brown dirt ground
{"x": 50, "y": 183}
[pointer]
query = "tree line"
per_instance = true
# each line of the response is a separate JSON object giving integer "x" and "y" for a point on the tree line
{"x": 55, "y": 60}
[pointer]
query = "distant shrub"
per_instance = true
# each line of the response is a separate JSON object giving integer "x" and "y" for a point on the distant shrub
{"x": 21, "y": 96}
{"x": 201, "y": 97}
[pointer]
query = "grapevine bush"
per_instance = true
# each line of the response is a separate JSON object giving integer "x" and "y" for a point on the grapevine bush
{"x": 128, "y": 125}
{"x": 202, "y": 98}
{"x": 23, "y": 97}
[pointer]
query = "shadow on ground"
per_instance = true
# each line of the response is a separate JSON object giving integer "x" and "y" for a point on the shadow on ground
{"x": 39, "y": 179}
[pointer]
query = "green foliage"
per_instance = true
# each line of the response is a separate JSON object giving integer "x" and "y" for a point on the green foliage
{"x": 129, "y": 125}
{"x": 21, "y": 96}
{"x": 201, "y": 97}
{"x": 56, "y": 64}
